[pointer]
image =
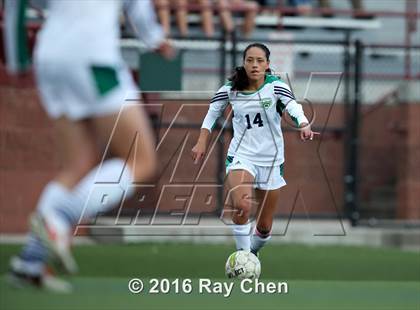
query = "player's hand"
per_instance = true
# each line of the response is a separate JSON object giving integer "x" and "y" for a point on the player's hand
{"x": 198, "y": 152}
{"x": 306, "y": 132}
{"x": 166, "y": 50}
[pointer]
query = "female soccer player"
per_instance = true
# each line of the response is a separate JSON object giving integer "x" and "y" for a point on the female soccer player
{"x": 255, "y": 157}
{"x": 83, "y": 83}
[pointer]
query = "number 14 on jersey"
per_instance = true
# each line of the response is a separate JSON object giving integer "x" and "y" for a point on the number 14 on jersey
{"x": 257, "y": 121}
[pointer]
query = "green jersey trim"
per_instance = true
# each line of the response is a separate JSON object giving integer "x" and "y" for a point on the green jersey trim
{"x": 229, "y": 160}
{"x": 268, "y": 80}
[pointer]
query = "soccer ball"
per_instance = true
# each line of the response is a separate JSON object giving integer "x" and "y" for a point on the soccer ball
{"x": 243, "y": 265}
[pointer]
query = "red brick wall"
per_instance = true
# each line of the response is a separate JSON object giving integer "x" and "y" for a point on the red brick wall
{"x": 28, "y": 160}
{"x": 408, "y": 187}
{"x": 378, "y": 148}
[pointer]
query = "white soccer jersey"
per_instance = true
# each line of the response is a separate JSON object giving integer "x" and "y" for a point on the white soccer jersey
{"x": 88, "y": 29}
{"x": 78, "y": 64}
{"x": 257, "y": 136}
{"x": 81, "y": 30}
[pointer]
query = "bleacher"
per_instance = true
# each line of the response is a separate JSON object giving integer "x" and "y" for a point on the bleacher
{"x": 201, "y": 53}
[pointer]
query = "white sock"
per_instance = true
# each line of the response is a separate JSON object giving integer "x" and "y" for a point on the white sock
{"x": 258, "y": 240}
{"x": 34, "y": 254}
{"x": 242, "y": 236}
{"x": 105, "y": 190}
{"x": 53, "y": 199}
{"x": 63, "y": 208}
{"x": 95, "y": 193}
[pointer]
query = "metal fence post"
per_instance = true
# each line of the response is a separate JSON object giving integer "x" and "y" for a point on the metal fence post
{"x": 222, "y": 65}
{"x": 351, "y": 196}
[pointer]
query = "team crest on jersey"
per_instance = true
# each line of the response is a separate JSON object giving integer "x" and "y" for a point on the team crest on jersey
{"x": 266, "y": 103}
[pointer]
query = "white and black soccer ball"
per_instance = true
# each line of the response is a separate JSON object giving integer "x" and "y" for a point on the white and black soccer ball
{"x": 243, "y": 265}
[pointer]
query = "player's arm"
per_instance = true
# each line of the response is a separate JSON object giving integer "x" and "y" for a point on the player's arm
{"x": 217, "y": 105}
{"x": 15, "y": 38}
{"x": 142, "y": 16}
{"x": 287, "y": 102}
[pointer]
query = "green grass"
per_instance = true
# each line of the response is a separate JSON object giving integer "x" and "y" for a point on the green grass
{"x": 322, "y": 277}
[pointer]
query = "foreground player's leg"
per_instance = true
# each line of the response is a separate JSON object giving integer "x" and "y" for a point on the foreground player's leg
{"x": 130, "y": 137}
{"x": 72, "y": 196}
{"x": 262, "y": 232}
{"x": 86, "y": 199}
{"x": 239, "y": 185}
{"x": 60, "y": 209}
{"x": 77, "y": 156}
{"x": 36, "y": 252}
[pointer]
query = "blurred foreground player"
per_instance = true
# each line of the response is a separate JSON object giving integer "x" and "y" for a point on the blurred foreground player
{"x": 83, "y": 83}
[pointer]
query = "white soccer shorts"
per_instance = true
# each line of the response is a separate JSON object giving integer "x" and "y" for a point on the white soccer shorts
{"x": 265, "y": 177}
{"x": 78, "y": 90}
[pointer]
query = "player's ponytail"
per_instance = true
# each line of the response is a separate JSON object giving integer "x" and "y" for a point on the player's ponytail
{"x": 239, "y": 79}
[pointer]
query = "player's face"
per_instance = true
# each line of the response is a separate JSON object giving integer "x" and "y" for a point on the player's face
{"x": 255, "y": 64}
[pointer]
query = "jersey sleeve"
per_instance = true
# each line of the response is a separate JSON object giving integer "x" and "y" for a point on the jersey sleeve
{"x": 287, "y": 101}
{"x": 142, "y": 16}
{"x": 217, "y": 105}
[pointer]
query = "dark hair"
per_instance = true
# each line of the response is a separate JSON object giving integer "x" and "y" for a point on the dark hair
{"x": 239, "y": 78}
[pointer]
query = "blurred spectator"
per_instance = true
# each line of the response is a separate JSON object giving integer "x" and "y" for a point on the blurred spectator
{"x": 163, "y": 9}
{"x": 250, "y": 12}
{"x": 303, "y": 7}
{"x": 223, "y": 8}
{"x": 207, "y": 17}
{"x": 357, "y": 5}
{"x": 180, "y": 8}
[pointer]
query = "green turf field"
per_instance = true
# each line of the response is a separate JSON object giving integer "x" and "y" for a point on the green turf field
{"x": 317, "y": 278}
